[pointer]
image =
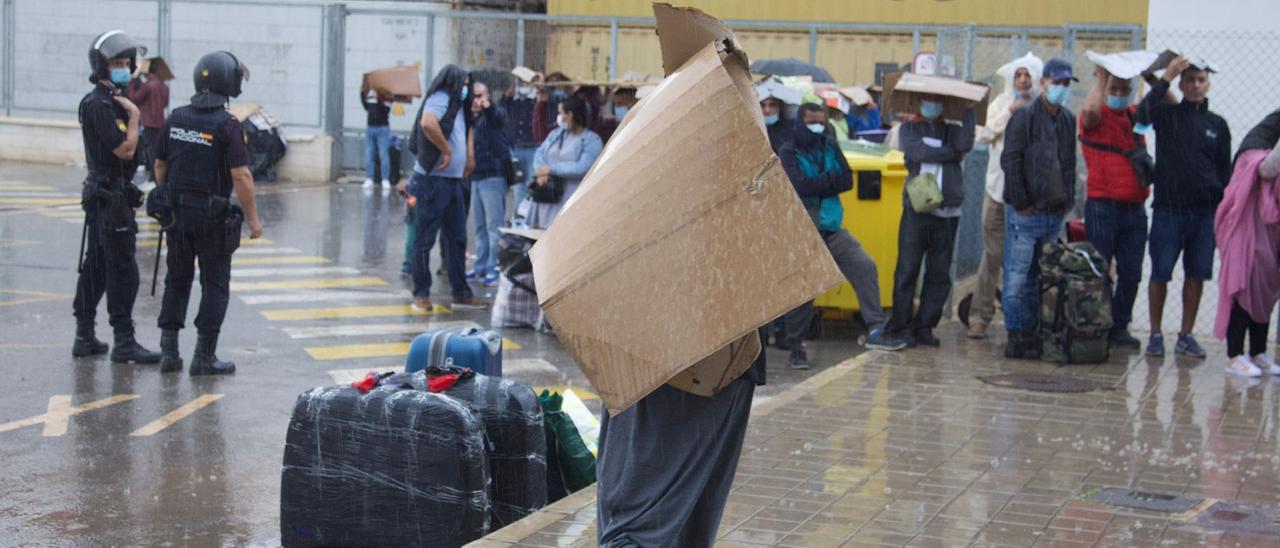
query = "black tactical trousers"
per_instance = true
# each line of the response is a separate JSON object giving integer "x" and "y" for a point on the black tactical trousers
{"x": 108, "y": 268}
{"x": 209, "y": 246}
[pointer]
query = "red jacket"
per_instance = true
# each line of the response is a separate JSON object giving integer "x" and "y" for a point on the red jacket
{"x": 1111, "y": 176}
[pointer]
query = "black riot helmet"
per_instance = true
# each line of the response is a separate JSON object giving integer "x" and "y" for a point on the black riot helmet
{"x": 114, "y": 44}
{"x": 217, "y": 79}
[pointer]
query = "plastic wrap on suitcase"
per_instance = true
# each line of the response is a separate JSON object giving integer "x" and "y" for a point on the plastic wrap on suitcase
{"x": 391, "y": 467}
{"x": 517, "y": 451}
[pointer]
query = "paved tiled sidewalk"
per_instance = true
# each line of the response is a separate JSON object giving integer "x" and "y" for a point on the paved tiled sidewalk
{"x": 911, "y": 449}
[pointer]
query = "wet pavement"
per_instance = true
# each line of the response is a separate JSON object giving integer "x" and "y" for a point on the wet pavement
{"x": 107, "y": 454}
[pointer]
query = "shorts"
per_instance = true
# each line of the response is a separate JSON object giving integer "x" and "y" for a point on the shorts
{"x": 1186, "y": 234}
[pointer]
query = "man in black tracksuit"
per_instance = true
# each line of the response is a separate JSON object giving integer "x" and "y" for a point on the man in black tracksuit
{"x": 202, "y": 157}
{"x": 109, "y": 125}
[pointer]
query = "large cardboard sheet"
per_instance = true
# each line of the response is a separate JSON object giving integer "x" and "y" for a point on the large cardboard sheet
{"x": 685, "y": 236}
{"x": 401, "y": 82}
{"x": 904, "y": 91}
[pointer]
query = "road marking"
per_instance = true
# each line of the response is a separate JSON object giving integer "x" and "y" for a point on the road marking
{"x": 64, "y": 213}
{"x": 176, "y": 415}
{"x": 31, "y": 297}
{"x": 10, "y": 186}
{"x": 16, "y": 243}
{"x": 375, "y": 350}
{"x": 527, "y": 366}
{"x": 259, "y": 241}
{"x": 251, "y": 261}
{"x": 315, "y": 271}
{"x": 350, "y": 312}
{"x": 60, "y": 408}
{"x": 39, "y": 201}
{"x": 320, "y": 295}
{"x": 581, "y": 392}
{"x": 318, "y": 283}
{"x": 8, "y": 192}
{"x": 357, "y": 330}
{"x": 267, "y": 251}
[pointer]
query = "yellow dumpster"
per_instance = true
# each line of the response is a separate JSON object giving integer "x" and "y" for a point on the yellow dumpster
{"x": 872, "y": 218}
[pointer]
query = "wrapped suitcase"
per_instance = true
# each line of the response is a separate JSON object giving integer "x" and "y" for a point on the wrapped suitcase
{"x": 391, "y": 467}
{"x": 512, "y": 419}
{"x": 469, "y": 347}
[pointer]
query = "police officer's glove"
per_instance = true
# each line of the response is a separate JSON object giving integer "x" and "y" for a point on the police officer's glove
{"x": 136, "y": 195}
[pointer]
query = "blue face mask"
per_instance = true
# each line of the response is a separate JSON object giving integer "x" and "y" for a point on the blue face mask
{"x": 1117, "y": 103}
{"x": 930, "y": 109}
{"x": 120, "y": 76}
{"x": 816, "y": 128}
{"x": 466, "y": 92}
{"x": 1057, "y": 94}
{"x": 620, "y": 112}
{"x": 770, "y": 119}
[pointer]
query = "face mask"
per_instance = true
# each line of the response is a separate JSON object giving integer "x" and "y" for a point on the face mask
{"x": 1022, "y": 95}
{"x": 561, "y": 123}
{"x": 1117, "y": 103}
{"x": 1057, "y": 94}
{"x": 1141, "y": 128}
{"x": 931, "y": 109}
{"x": 527, "y": 91}
{"x": 466, "y": 91}
{"x": 816, "y": 128}
{"x": 770, "y": 119}
{"x": 620, "y": 112}
{"x": 120, "y": 76}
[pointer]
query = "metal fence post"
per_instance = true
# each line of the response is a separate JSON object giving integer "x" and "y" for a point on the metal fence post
{"x": 1068, "y": 42}
{"x": 968, "y": 51}
{"x": 164, "y": 26}
{"x": 431, "y": 47}
{"x": 613, "y": 49}
{"x": 915, "y": 43}
{"x": 813, "y": 44}
{"x": 520, "y": 42}
{"x": 333, "y": 47}
{"x": 1135, "y": 38}
{"x": 7, "y": 64}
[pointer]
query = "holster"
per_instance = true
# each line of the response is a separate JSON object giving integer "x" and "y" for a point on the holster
{"x": 231, "y": 228}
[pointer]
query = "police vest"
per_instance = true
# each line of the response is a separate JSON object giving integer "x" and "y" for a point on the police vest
{"x": 197, "y": 179}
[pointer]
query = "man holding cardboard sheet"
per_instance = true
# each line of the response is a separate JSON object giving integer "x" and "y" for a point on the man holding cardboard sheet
{"x": 657, "y": 275}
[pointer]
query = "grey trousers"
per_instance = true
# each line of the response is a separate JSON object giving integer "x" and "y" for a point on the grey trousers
{"x": 857, "y": 267}
{"x": 666, "y": 466}
{"x": 984, "y": 296}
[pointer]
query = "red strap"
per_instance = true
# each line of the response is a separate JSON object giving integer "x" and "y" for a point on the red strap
{"x": 442, "y": 382}
{"x": 367, "y": 383}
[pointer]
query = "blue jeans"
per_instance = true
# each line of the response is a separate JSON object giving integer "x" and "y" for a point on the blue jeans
{"x": 440, "y": 209}
{"x": 521, "y": 188}
{"x": 377, "y": 146}
{"x": 488, "y": 203}
{"x": 1023, "y": 237}
{"x": 1118, "y": 230}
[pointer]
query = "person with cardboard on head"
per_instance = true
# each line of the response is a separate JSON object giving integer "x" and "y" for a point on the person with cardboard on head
{"x": 1039, "y": 162}
{"x": 1193, "y": 166}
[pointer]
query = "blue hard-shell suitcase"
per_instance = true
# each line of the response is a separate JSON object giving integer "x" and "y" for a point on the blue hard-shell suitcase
{"x": 480, "y": 351}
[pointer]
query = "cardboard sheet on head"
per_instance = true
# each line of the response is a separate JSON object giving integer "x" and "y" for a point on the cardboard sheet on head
{"x": 685, "y": 236}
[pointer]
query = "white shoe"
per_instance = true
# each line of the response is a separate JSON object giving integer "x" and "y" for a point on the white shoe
{"x": 1242, "y": 366}
{"x": 368, "y": 183}
{"x": 1266, "y": 364}
{"x": 386, "y": 185}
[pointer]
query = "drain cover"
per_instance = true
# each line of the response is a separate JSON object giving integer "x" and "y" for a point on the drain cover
{"x": 1238, "y": 518}
{"x": 1142, "y": 500}
{"x": 1042, "y": 383}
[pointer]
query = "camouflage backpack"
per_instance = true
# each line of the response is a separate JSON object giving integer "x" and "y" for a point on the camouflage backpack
{"x": 1075, "y": 304}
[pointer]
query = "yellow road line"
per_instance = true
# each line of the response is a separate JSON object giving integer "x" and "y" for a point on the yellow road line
{"x": 26, "y": 188}
{"x": 278, "y": 260}
{"x": 582, "y": 393}
{"x": 15, "y": 243}
{"x": 32, "y": 296}
{"x": 351, "y": 312}
{"x": 374, "y": 350}
{"x": 64, "y": 214}
{"x": 318, "y": 283}
{"x": 55, "y": 420}
{"x": 176, "y": 415}
{"x": 39, "y": 201}
{"x": 259, "y": 241}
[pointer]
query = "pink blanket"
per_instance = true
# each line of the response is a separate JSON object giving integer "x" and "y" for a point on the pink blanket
{"x": 1247, "y": 230}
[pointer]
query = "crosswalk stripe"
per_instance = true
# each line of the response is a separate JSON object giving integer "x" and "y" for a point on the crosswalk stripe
{"x": 247, "y": 261}
{"x": 312, "y": 271}
{"x": 39, "y": 201}
{"x": 356, "y": 330}
{"x": 267, "y": 250}
{"x": 20, "y": 184}
{"x": 351, "y": 312}
{"x": 316, "y": 283}
{"x": 319, "y": 295}
{"x": 10, "y": 192}
{"x": 375, "y": 350}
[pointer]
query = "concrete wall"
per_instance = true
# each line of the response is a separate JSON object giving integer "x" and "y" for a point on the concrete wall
{"x": 54, "y": 141}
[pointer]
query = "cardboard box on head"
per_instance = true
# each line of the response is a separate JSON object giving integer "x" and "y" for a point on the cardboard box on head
{"x": 903, "y": 92}
{"x": 400, "y": 82}
{"x": 686, "y": 234}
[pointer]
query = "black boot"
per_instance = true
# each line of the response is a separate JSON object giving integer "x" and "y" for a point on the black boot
{"x": 128, "y": 350}
{"x": 170, "y": 359}
{"x": 204, "y": 362}
{"x": 1017, "y": 342}
{"x": 87, "y": 344}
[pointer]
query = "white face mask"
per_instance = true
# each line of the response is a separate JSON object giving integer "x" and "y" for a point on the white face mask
{"x": 528, "y": 92}
{"x": 561, "y": 122}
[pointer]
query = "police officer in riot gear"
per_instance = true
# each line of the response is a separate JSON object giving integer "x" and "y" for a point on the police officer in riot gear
{"x": 201, "y": 157}
{"x": 109, "y": 126}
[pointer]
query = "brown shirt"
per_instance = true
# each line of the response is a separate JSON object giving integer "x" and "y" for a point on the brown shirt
{"x": 152, "y": 97}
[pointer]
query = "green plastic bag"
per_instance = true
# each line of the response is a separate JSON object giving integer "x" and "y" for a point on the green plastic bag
{"x": 924, "y": 194}
{"x": 570, "y": 465}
